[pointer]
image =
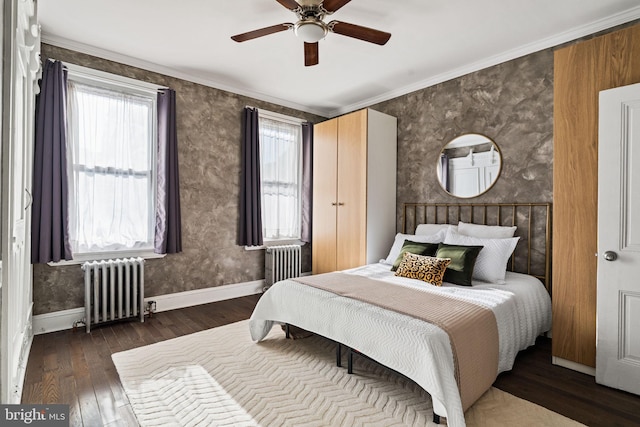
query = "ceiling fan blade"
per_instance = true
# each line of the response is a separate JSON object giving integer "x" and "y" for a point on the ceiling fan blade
{"x": 289, "y": 4}
{"x": 333, "y": 5}
{"x": 261, "y": 32}
{"x": 358, "y": 32}
{"x": 310, "y": 54}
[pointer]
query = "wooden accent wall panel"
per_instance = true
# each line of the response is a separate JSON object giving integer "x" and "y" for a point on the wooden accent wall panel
{"x": 581, "y": 71}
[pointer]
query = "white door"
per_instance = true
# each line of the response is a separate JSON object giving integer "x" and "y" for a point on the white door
{"x": 19, "y": 81}
{"x": 618, "y": 344}
{"x": 465, "y": 179}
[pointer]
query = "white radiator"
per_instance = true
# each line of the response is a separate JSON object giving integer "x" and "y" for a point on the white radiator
{"x": 113, "y": 290}
{"x": 281, "y": 262}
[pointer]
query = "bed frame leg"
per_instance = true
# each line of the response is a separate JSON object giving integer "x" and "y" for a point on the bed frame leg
{"x": 287, "y": 335}
{"x": 436, "y": 418}
{"x": 339, "y": 355}
{"x": 349, "y": 360}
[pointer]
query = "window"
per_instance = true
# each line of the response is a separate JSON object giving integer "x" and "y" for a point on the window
{"x": 281, "y": 176}
{"x": 111, "y": 162}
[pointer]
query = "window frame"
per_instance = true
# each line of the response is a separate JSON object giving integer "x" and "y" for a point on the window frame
{"x": 298, "y": 122}
{"x": 117, "y": 83}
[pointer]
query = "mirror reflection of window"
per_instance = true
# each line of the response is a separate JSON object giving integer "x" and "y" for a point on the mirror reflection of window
{"x": 469, "y": 165}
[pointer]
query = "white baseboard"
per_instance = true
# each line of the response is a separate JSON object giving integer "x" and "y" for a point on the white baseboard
{"x": 57, "y": 320}
{"x": 61, "y": 320}
{"x": 207, "y": 295}
{"x": 573, "y": 366}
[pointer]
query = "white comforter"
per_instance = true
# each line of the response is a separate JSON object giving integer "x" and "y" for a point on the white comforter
{"x": 415, "y": 348}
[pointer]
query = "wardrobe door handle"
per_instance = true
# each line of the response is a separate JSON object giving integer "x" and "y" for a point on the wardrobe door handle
{"x": 340, "y": 204}
{"x": 334, "y": 204}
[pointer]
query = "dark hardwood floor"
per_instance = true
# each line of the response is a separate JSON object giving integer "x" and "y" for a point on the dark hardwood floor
{"x": 75, "y": 368}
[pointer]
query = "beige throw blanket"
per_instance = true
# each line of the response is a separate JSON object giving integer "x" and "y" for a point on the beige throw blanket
{"x": 472, "y": 329}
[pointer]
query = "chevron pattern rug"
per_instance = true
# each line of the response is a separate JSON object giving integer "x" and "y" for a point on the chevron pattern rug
{"x": 219, "y": 377}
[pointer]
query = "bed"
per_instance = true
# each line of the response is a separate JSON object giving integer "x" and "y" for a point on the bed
{"x": 423, "y": 350}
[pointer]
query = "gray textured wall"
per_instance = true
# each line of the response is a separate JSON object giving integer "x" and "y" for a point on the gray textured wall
{"x": 209, "y": 125}
{"x": 512, "y": 103}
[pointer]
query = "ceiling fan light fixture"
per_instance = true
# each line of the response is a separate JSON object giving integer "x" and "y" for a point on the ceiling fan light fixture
{"x": 311, "y": 31}
{"x": 311, "y": 27}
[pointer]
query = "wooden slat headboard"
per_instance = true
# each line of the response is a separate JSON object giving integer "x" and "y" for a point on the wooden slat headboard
{"x": 533, "y": 221}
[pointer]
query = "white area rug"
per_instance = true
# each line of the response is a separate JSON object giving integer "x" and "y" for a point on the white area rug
{"x": 219, "y": 377}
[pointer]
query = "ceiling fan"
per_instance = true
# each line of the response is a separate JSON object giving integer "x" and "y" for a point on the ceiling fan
{"x": 311, "y": 28}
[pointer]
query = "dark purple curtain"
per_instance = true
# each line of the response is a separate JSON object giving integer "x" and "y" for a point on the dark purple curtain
{"x": 168, "y": 234}
{"x": 50, "y": 218}
{"x": 250, "y": 226}
{"x": 307, "y": 181}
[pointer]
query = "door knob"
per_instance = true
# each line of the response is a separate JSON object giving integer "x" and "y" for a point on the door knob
{"x": 610, "y": 256}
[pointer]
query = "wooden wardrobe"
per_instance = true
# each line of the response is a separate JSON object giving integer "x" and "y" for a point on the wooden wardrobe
{"x": 581, "y": 71}
{"x": 354, "y": 190}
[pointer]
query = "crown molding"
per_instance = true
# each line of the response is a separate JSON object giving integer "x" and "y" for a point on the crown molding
{"x": 555, "y": 40}
{"x": 171, "y": 72}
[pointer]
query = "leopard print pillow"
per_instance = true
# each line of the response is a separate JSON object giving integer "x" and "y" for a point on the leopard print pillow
{"x": 425, "y": 268}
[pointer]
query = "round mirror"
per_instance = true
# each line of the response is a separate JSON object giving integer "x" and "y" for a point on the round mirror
{"x": 469, "y": 165}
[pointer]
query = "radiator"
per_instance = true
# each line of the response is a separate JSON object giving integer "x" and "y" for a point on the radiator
{"x": 281, "y": 262}
{"x": 113, "y": 290}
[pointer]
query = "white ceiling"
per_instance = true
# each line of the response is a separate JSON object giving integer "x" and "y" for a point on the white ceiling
{"x": 432, "y": 41}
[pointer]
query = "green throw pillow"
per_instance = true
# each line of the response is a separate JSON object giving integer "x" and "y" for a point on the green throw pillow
{"x": 426, "y": 249}
{"x": 463, "y": 259}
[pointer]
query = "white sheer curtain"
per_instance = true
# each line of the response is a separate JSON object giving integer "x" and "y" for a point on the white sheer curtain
{"x": 280, "y": 154}
{"x": 110, "y": 160}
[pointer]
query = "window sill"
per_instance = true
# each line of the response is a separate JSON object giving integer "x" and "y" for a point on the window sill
{"x": 99, "y": 256}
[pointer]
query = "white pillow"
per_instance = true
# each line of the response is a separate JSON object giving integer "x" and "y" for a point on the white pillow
{"x": 400, "y": 238}
{"x": 430, "y": 229}
{"x": 491, "y": 264}
{"x": 486, "y": 231}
